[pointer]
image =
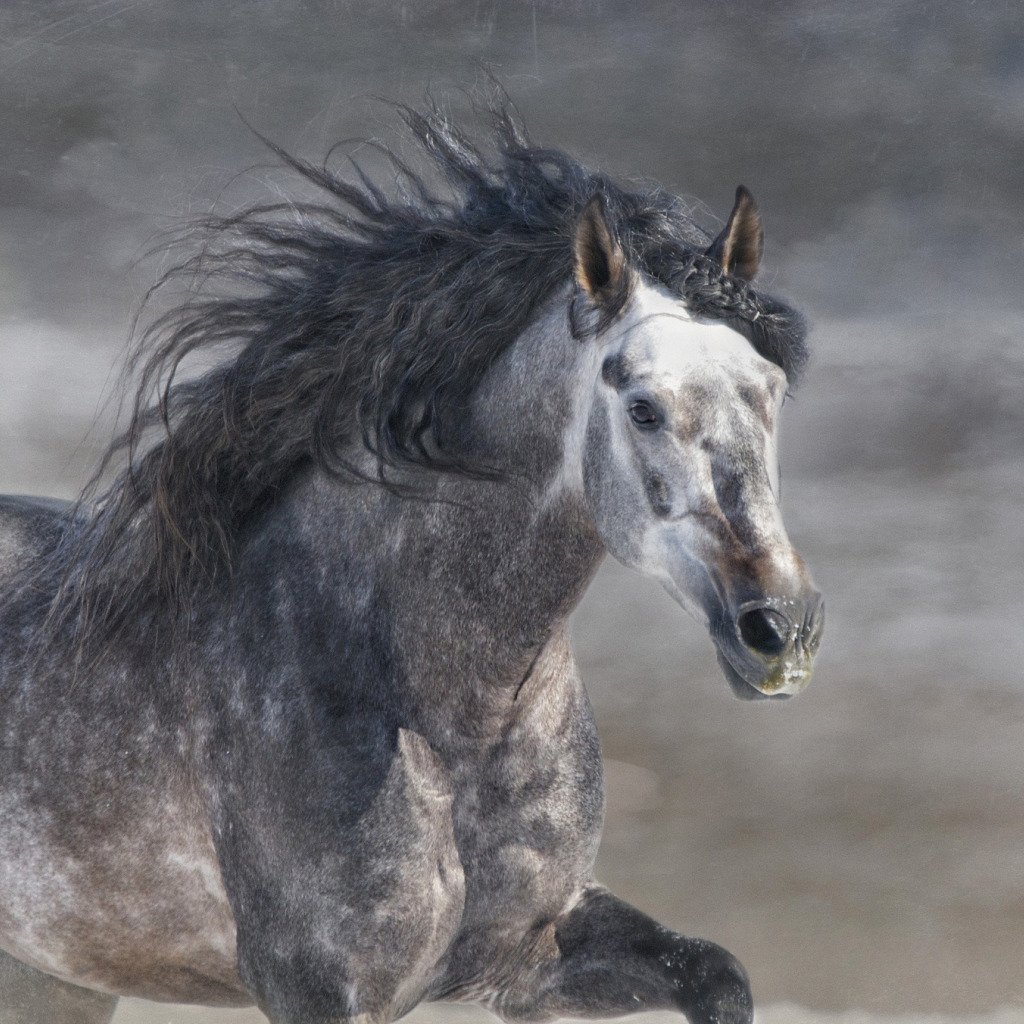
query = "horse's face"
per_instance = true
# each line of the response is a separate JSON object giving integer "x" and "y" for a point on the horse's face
{"x": 681, "y": 474}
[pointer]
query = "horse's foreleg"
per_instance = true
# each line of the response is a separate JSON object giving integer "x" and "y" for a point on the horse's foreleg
{"x": 28, "y": 996}
{"x": 612, "y": 960}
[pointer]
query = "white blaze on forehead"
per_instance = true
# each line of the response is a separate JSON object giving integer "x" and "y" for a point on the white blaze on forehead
{"x": 675, "y": 346}
{"x": 667, "y": 348}
{"x": 670, "y": 348}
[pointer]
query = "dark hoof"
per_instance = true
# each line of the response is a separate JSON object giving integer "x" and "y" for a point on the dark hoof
{"x": 721, "y": 989}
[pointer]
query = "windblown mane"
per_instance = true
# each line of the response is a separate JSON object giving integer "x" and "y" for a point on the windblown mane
{"x": 368, "y": 317}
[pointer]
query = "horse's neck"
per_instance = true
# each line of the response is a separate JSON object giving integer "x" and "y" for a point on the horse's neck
{"x": 530, "y": 410}
{"x": 528, "y": 542}
{"x": 477, "y": 583}
{"x": 452, "y": 601}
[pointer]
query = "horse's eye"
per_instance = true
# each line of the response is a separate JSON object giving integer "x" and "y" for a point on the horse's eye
{"x": 644, "y": 415}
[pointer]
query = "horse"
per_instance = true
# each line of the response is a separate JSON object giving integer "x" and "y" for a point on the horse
{"x": 290, "y": 711}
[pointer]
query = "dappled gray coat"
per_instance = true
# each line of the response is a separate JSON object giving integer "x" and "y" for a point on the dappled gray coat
{"x": 290, "y": 715}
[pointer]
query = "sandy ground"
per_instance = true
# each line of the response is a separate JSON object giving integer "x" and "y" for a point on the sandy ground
{"x": 146, "y": 1013}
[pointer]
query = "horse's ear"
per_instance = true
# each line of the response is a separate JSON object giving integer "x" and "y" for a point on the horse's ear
{"x": 741, "y": 244}
{"x": 600, "y": 261}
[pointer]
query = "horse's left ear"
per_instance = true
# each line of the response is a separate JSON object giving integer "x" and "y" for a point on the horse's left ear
{"x": 600, "y": 261}
{"x": 741, "y": 244}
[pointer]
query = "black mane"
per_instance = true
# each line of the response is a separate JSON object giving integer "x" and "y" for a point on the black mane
{"x": 368, "y": 316}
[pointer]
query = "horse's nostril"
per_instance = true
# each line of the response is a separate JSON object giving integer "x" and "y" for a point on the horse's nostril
{"x": 765, "y": 631}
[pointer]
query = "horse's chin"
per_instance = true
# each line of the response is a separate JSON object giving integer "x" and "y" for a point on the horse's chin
{"x": 741, "y": 689}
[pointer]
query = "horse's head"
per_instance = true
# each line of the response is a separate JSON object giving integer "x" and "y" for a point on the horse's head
{"x": 679, "y": 462}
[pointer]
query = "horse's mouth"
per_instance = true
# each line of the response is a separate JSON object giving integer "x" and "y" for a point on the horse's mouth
{"x": 744, "y": 690}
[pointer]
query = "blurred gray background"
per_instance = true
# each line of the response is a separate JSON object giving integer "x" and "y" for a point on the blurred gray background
{"x": 861, "y": 848}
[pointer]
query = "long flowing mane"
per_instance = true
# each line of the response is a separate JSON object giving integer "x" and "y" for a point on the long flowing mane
{"x": 365, "y": 318}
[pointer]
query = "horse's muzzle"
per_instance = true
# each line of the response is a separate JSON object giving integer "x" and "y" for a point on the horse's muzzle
{"x": 768, "y": 648}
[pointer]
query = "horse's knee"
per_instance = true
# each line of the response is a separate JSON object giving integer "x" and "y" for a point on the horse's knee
{"x": 717, "y": 987}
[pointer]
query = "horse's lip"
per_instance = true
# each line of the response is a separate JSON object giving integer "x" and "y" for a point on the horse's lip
{"x": 740, "y": 687}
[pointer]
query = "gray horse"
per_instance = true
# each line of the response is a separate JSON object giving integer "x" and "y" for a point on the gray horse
{"x": 290, "y": 712}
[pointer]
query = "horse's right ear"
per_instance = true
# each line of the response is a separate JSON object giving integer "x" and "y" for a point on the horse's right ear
{"x": 600, "y": 261}
{"x": 739, "y": 247}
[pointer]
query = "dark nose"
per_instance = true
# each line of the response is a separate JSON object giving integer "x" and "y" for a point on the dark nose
{"x": 769, "y": 628}
{"x": 765, "y": 630}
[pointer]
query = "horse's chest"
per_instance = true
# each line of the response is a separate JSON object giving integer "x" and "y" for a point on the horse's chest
{"x": 528, "y": 815}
